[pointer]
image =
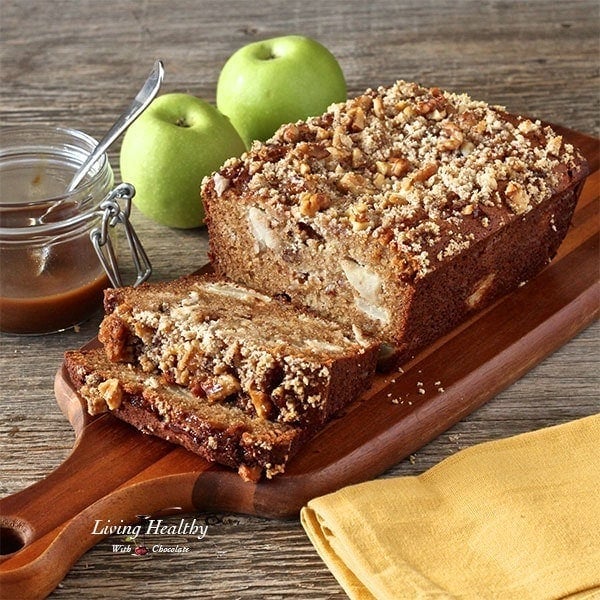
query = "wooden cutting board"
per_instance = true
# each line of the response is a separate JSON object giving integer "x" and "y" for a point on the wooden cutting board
{"x": 114, "y": 472}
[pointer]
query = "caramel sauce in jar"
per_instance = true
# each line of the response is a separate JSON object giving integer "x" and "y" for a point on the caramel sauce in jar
{"x": 58, "y": 297}
{"x": 50, "y": 275}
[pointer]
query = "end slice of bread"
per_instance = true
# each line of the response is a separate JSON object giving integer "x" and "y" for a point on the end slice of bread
{"x": 219, "y": 432}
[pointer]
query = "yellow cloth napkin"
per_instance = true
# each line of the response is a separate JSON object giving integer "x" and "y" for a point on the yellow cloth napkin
{"x": 515, "y": 518}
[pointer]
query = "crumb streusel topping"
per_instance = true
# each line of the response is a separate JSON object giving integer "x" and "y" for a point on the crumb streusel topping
{"x": 417, "y": 174}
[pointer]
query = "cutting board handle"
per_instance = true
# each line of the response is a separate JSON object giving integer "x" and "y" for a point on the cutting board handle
{"x": 45, "y": 528}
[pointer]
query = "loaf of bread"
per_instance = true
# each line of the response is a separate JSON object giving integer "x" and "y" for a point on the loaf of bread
{"x": 219, "y": 432}
{"x": 233, "y": 346}
{"x": 399, "y": 211}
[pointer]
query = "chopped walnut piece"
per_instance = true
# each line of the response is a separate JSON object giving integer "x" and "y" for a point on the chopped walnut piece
{"x": 408, "y": 111}
{"x": 254, "y": 167}
{"x": 480, "y": 126}
{"x": 382, "y": 167}
{"x": 467, "y": 119}
{"x": 466, "y": 148}
{"x": 261, "y": 402}
{"x": 378, "y": 109}
{"x": 291, "y": 133}
{"x": 108, "y": 396}
{"x": 358, "y": 119}
{"x": 365, "y": 101}
{"x": 357, "y": 213}
{"x": 379, "y": 180}
{"x": 341, "y": 140}
{"x": 358, "y": 158}
{"x": 399, "y": 166}
{"x": 306, "y": 150}
{"x": 394, "y": 166}
{"x": 419, "y": 176}
{"x": 311, "y": 203}
{"x": 322, "y": 133}
{"x": 220, "y": 387}
{"x": 338, "y": 154}
{"x": 434, "y": 107}
{"x": 112, "y": 393}
{"x": 453, "y": 137}
{"x": 250, "y": 474}
{"x": 407, "y": 182}
{"x": 517, "y": 197}
{"x": 426, "y": 172}
{"x": 352, "y": 182}
{"x": 554, "y": 144}
{"x": 527, "y": 126}
{"x": 395, "y": 200}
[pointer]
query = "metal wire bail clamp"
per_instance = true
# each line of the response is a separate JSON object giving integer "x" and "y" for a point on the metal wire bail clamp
{"x": 114, "y": 214}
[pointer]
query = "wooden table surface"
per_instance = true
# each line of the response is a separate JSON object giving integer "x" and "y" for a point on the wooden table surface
{"x": 77, "y": 63}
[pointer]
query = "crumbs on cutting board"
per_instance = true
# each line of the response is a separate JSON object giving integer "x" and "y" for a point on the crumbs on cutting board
{"x": 420, "y": 389}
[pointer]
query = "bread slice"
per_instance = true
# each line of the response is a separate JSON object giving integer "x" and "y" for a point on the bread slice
{"x": 400, "y": 211}
{"x": 233, "y": 346}
{"x": 219, "y": 432}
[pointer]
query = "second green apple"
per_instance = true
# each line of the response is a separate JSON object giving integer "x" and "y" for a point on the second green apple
{"x": 276, "y": 81}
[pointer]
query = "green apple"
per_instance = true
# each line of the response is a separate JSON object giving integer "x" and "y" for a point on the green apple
{"x": 167, "y": 151}
{"x": 276, "y": 81}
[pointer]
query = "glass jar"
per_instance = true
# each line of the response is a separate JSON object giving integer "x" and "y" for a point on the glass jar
{"x": 51, "y": 277}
